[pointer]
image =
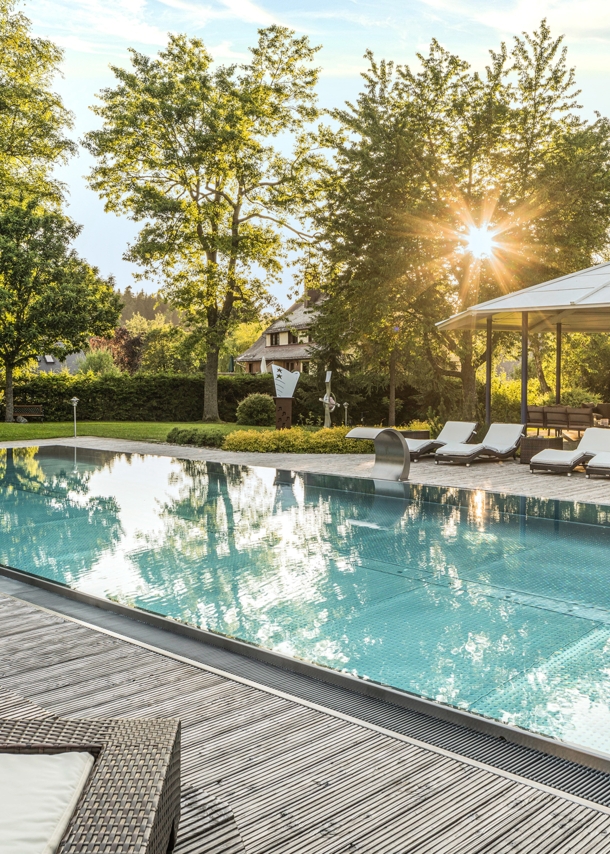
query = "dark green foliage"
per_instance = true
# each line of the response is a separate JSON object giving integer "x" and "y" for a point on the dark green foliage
{"x": 141, "y": 397}
{"x": 367, "y": 403}
{"x": 257, "y": 410}
{"x": 178, "y": 397}
{"x": 205, "y": 437}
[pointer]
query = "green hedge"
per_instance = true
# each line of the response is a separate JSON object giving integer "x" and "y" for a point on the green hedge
{"x": 138, "y": 397}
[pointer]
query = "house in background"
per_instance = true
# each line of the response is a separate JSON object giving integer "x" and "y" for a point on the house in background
{"x": 287, "y": 342}
{"x": 51, "y": 364}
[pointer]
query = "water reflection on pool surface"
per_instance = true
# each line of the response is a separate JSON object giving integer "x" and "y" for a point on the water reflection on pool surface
{"x": 496, "y": 604}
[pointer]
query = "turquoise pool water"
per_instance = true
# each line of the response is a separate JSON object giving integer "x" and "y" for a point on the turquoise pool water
{"x": 491, "y": 603}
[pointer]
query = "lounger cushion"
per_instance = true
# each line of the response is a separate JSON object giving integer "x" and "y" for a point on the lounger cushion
{"x": 601, "y": 461}
{"x": 503, "y": 438}
{"x": 595, "y": 439}
{"x": 558, "y": 458}
{"x": 38, "y": 796}
{"x": 460, "y": 450}
{"x": 456, "y": 432}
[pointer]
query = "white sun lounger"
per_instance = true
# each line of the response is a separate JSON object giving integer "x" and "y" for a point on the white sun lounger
{"x": 501, "y": 442}
{"x": 595, "y": 441}
{"x": 599, "y": 464}
{"x": 454, "y": 433}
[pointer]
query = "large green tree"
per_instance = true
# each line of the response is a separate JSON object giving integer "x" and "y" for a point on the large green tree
{"x": 51, "y": 301}
{"x": 197, "y": 153}
{"x": 32, "y": 117}
{"x": 429, "y": 155}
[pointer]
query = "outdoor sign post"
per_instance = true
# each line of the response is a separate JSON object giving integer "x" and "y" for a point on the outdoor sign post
{"x": 285, "y": 384}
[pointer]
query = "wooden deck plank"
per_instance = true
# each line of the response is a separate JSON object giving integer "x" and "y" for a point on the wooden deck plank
{"x": 298, "y": 780}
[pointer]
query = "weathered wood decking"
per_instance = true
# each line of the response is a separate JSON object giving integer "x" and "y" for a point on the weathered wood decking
{"x": 508, "y": 476}
{"x": 295, "y": 779}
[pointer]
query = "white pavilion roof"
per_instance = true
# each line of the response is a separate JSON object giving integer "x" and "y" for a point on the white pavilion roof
{"x": 579, "y": 301}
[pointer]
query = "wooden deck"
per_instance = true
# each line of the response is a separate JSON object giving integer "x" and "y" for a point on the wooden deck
{"x": 264, "y": 773}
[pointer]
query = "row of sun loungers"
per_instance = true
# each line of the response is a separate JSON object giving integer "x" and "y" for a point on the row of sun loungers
{"x": 501, "y": 442}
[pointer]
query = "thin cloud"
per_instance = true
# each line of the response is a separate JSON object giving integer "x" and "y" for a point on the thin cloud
{"x": 587, "y": 19}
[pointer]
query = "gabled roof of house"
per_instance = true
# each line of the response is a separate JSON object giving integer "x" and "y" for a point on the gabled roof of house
{"x": 300, "y": 315}
{"x": 286, "y": 351}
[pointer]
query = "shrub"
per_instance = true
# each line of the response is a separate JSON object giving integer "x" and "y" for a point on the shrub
{"x": 201, "y": 437}
{"x": 257, "y": 410}
{"x": 99, "y": 362}
{"x": 296, "y": 441}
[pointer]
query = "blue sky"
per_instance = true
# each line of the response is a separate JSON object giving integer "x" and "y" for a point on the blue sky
{"x": 97, "y": 33}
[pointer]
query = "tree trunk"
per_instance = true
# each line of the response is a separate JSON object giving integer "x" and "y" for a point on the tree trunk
{"x": 8, "y": 392}
{"x": 469, "y": 384}
{"x": 392, "y": 407}
{"x": 210, "y": 393}
{"x": 537, "y": 353}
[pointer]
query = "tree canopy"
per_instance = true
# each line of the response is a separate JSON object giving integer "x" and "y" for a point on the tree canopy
{"x": 196, "y": 152}
{"x": 51, "y": 301}
{"x": 33, "y": 118}
{"x": 428, "y": 159}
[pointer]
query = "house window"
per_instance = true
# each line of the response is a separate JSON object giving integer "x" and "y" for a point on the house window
{"x": 274, "y": 339}
{"x": 292, "y": 338}
{"x": 305, "y": 367}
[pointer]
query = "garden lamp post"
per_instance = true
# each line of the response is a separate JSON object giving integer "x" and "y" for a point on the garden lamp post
{"x": 74, "y": 402}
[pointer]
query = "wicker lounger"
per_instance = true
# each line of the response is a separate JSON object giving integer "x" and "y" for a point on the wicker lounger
{"x": 454, "y": 432}
{"x": 131, "y": 802}
{"x": 595, "y": 441}
{"x": 500, "y": 443}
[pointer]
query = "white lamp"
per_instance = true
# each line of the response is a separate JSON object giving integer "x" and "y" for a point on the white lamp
{"x": 74, "y": 402}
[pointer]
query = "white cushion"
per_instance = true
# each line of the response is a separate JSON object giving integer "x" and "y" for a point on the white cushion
{"x": 460, "y": 450}
{"x": 560, "y": 458}
{"x": 595, "y": 439}
{"x": 601, "y": 460}
{"x": 503, "y": 437}
{"x": 38, "y": 795}
{"x": 456, "y": 432}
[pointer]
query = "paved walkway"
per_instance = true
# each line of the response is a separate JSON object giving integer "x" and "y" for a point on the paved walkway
{"x": 509, "y": 477}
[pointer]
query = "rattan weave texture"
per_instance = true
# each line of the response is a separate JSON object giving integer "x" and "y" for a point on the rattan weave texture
{"x": 131, "y": 804}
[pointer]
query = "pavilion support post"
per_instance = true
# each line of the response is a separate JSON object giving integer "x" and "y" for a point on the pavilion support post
{"x": 558, "y": 366}
{"x": 488, "y": 373}
{"x": 524, "y": 349}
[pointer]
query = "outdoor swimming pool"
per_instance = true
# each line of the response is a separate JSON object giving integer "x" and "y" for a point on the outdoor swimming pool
{"x": 495, "y": 604}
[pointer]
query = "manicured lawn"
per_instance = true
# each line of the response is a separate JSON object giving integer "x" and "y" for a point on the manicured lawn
{"x": 144, "y": 431}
